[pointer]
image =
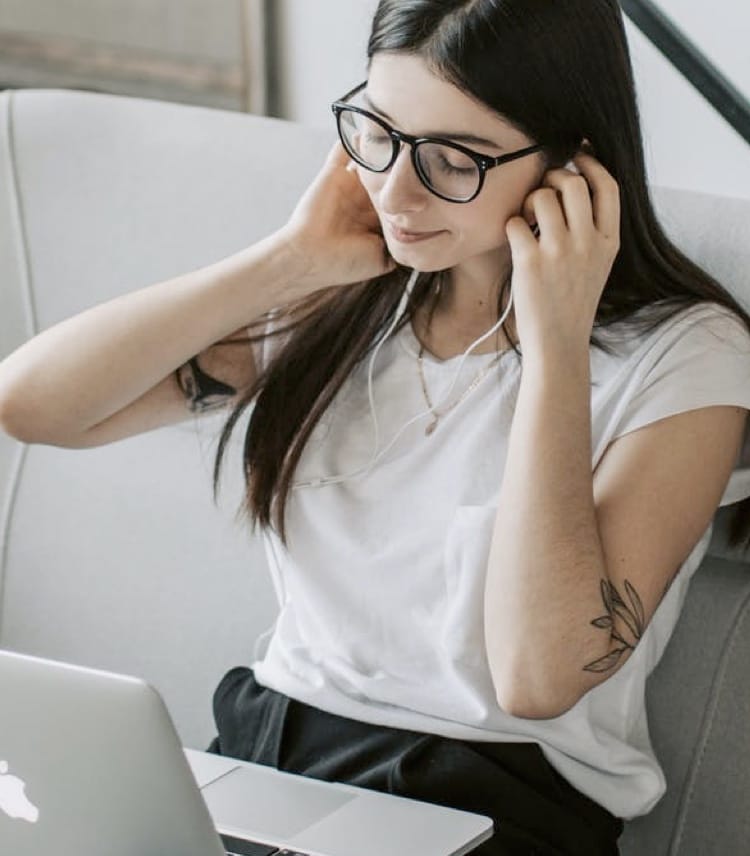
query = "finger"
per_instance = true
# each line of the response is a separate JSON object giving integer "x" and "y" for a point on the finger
{"x": 336, "y": 158}
{"x": 337, "y": 154}
{"x": 576, "y": 199}
{"x": 544, "y": 208}
{"x": 605, "y": 195}
{"x": 520, "y": 237}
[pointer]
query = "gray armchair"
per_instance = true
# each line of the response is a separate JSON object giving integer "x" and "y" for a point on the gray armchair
{"x": 116, "y": 557}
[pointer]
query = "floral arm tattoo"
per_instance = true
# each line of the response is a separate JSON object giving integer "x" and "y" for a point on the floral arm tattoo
{"x": 630, "y": 615}
{"x": 201, "y": 391}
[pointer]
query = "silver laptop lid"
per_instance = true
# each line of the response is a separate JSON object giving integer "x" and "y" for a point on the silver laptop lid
{"x": 90, "y": 763}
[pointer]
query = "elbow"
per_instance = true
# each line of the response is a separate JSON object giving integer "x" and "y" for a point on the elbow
{"x": 19, "y": 417}
{"x": 9, "y": 421}
{"x": 26, "y": 428}
{"x": 15, "y": 418}
{"x": 19, "y": 410}
{"x": 523, "y": 709}
{"x": 518, "y": 699}
{"x": 530, "y": 689}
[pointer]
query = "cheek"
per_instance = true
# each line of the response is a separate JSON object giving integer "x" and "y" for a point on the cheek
{"x": 371, "y": 181}
{"x": 497, "y": 203}
{"x": 483, "y": 227}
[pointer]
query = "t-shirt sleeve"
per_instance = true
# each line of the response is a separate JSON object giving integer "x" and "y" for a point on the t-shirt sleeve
{"x": 700, "y": 359}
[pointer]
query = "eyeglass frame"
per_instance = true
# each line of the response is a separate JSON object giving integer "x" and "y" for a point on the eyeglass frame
{"x": 398, "y": 138}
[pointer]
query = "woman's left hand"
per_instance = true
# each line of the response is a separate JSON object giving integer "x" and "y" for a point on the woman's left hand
{"x": 558, "y": 278}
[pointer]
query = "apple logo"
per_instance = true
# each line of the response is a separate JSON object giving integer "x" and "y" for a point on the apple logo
{"x": 13, "y": 800}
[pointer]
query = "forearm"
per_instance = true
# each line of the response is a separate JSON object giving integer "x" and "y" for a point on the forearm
{"x": 546, "y": 561}
{"x": 85, "y": 368}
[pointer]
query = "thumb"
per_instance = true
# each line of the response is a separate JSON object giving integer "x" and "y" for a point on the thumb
{"x": 385, "y": 261}
{"x": 337, "y": 155}
{"x": 520, "y": 237}
{"x": 389, "y": 263}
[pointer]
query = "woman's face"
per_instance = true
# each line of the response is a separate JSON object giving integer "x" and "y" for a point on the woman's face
{"x": 403, "y": 91}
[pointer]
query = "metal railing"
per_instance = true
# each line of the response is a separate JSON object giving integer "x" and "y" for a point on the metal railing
{"x": 661, "y": 31}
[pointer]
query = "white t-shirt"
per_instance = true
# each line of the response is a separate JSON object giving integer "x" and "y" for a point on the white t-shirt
{"x": 381, "y": 588}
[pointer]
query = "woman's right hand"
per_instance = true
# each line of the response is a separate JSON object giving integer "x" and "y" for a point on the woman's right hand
{"x": 334, "y": 232}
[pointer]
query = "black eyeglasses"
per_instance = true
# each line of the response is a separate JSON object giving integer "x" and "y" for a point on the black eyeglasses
{"x": 447, "y": 169}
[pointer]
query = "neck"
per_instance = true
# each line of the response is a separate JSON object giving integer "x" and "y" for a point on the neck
{"x": 469, "y": 307}
{"x": 446, "y": 331}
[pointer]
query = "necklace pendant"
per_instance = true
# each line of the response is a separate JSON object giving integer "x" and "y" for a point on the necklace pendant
{"x": 431, "y": 427}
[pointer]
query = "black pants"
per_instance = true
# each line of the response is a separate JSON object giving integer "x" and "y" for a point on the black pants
{"x": 534, "y": 808}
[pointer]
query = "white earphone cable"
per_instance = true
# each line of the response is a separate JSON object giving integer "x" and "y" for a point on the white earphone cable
{"x": 324, "y": 480}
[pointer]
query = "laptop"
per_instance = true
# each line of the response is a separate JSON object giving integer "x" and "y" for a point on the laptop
{"x": 91, "y": 764}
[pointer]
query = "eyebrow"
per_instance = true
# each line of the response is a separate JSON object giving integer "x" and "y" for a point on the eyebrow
{"x": 458, "y": 137}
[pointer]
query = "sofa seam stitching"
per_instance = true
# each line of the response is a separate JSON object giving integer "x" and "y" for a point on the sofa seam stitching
{"x": 708, "y": 722}
{"x": 28, "y": 292}
{"x": 27, "y": 300}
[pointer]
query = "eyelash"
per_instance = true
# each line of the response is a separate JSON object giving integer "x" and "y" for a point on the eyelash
{"x": 453, "y": 170}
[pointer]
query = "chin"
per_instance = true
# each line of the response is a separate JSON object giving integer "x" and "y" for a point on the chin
{"x": 421, "y": 259}
{"x": 422, "y": 265}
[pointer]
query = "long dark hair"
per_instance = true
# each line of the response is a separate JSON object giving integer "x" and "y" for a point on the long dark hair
{"x": 560, "y": 71}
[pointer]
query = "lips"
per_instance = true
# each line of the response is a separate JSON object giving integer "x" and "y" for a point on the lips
{"x": 410, "y": 235}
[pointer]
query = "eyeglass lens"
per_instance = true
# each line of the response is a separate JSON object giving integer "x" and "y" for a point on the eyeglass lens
{"x": 444, "y": 169}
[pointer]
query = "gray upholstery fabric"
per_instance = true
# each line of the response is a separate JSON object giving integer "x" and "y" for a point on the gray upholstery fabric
{"x": 116, "y": 557}
{"x": 698, "y": 701}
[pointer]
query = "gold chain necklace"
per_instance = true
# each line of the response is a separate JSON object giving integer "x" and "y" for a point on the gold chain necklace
{"x": 438, "y": 414}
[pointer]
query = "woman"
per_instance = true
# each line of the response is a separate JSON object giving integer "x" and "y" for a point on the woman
{"x": 468, "y": 608}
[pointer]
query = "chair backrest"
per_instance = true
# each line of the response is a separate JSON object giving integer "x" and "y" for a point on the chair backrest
{"x": 698, "y": 697}
{"x": 116, "y": 557}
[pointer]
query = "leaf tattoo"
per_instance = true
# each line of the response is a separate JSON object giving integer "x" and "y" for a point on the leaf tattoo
{"x": 631, "y": 616}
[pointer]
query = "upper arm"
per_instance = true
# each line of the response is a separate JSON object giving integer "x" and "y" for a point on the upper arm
{"x": 170, "y": 401}
{"x": 656, "y": 490}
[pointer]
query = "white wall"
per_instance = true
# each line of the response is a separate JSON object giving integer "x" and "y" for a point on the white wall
{"x": 688, "y": 144}
{"x": 323, "y": 51}
{"x": 721, "y": 30}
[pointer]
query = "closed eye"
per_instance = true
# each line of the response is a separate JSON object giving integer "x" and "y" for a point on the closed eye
{"x": 451, "y": 169}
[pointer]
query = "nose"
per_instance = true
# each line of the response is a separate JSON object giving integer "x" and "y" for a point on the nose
{"x": 401, "y": 189}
